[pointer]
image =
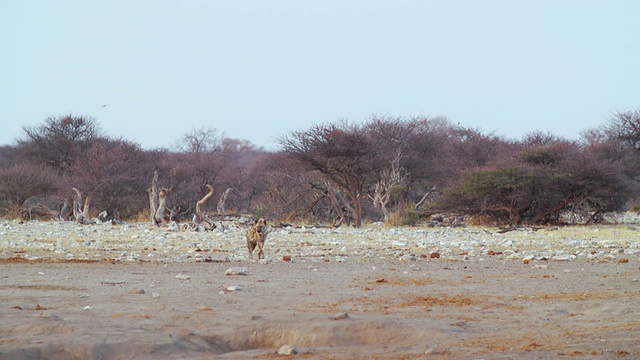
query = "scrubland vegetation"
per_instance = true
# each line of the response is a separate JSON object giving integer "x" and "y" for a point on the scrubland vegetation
{"x": 399, "y": 170}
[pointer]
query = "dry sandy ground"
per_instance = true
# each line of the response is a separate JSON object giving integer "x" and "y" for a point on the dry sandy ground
{"x": 374, "y": 302}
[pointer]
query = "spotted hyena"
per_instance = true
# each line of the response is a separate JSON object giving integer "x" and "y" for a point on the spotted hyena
{"x": 256, "y": 236}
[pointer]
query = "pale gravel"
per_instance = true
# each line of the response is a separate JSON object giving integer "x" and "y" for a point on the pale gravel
{"x": 144, "y": 242}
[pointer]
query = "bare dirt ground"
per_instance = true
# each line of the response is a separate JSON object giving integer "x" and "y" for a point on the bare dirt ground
{"x": 339, "y": 294}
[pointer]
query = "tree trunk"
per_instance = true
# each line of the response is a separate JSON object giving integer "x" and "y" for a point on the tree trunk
{"x": 85, "y": 210}
{"x": 337, "y": 207}
{"x": 159, "y": 216}
{"x": 80, "y": 209}
{"x": 202, "y": 201}
{"x": 381, "y": 198}
{"x": 561, "y": 205}
{"x": 340, "y": 204}
{"x": 67, "y": 209}
{"x": 514, "y": 216}
{"x": 77, "y": 204}
{"x": 223, "y": 199}
{"x": 357, "y": 213}
{"x": 426, "y": 195}
{"x": 153, "y": 197}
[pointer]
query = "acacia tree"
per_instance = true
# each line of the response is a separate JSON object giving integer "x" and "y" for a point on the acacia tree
{"x": 625, "y": 126}
{"x": 114, "y": 173}
{"x": 282, "y": 188}
{"x": 198, "y": 161}
{"x": 200, "y": 140}
{"x": 341, "y": 153}
{"x": 539, "y": 182}
{"x": 10, "y": 156}
{"x": 236, "y": 181}
{"x": 204, "y": 158}
{"x": 471, "y": 148}
{"x": 59, "y": 140}
{"x": 617, "y": 143}
{"x": 21, "y": 181}
{"x": 406, "y": 152}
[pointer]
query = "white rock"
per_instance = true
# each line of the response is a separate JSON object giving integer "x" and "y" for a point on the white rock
{"x": 564, "y": 257}
{"x": 238, "y": 270}
{"x": 183, "y": 277}
{"x": 288, "y": 350}
{"x": 235, "y": 288}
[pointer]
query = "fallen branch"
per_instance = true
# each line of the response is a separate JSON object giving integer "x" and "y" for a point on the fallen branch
{"x": 425, "y": 197}
{"x": 200, "y": 215}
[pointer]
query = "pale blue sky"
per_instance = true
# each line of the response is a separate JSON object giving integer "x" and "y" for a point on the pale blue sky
{"x": 259, "y": 69}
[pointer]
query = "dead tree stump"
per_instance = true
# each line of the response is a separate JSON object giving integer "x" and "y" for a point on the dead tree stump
{"x": 153, "y": 197}
{"x": 160, "y": 216}
{"x": 200, "y": 215}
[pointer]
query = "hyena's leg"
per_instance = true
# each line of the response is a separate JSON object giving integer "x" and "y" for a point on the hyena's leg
{"x": 260, "y": 251}
{"x": 251, "y": 245}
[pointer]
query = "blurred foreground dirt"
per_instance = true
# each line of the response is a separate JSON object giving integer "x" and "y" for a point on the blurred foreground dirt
{"x": 486, "y": 307}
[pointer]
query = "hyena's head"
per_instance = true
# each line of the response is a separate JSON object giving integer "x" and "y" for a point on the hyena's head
{"x": 261, "y": 225}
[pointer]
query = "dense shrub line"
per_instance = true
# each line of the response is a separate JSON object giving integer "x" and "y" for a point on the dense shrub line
{"x": 386, "y": 168}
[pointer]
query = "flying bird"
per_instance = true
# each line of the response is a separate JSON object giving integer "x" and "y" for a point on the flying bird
{"x": 105, "y": 105}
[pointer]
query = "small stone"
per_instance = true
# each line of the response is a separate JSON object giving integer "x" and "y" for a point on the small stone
{"x": 137, "y": 291}
{"x": 238, "y": 270}
{"x": 432, "y": 351}
{"x": 435, "y": 255}
{"x": 564, "y": 257}
{"x": 235, "y": 288}
{"x": 183, "y": 277}
{"x": 342, "y": 316}
{"x": 623, "y": 261}
{"x": 50, "y": 316}
{"x": 288, "y": 350}
{"x": 286, "y": 258}
{"x": 155, "y": 295}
